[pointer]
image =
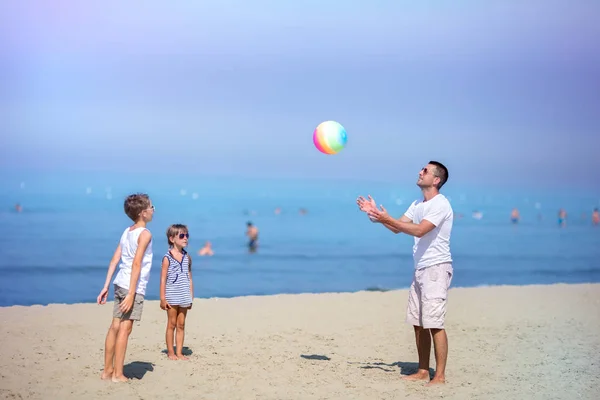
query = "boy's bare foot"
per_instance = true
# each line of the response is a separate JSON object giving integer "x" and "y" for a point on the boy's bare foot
{"x": 436, "y": 381}
{"x": 106, "y": 375}
{"x": 182, "y": 357}
{"x": 118, "y": 379}
{"x": 172, "y": 357}
{"x": 420, "y": 375}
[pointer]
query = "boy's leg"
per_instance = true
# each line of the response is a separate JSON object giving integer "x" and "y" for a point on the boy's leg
{"x": 109, "y": 349}
{"x": 125, "y": 327}
{"x": 181, "y": 314}
{"x": 171, "y": 324}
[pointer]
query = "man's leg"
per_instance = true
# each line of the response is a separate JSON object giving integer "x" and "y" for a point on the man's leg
{"x": 422, "y": 338}
{"x": 440, "y": 344}
{"x": 435, "y": 296}
{"x": 424, "y": 350}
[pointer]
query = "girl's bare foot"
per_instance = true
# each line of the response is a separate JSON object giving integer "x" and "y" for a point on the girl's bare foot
{"x": 106, "y": 375}
{"x": 118, "y": 379}
{"x": 182, "y": 357}
{"x": 420, "y": 375}
{"x": 172, "y": 357}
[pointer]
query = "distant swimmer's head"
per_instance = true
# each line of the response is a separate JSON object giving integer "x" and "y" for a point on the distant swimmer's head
{"x": 249, "y": 223}
{"x": 139, "y": 207}
{"x": 435, "y": 174}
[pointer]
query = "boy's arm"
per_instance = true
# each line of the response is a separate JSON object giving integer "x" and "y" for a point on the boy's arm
{"x": 136, "y": 269}
{"x": 112, "y": 266}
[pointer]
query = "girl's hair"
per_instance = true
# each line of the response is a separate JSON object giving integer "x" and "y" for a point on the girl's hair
{"x": 175, "y": 230}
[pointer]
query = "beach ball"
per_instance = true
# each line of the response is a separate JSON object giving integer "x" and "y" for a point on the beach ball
{"x": 330, "y": 137}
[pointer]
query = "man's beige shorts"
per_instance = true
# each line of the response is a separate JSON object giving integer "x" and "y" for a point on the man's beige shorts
{"x": 138, "y": 305}
{"x": 428, "y": 296}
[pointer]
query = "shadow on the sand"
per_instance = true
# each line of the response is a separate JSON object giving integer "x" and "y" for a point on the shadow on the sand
{"x": 406, "y": 368}
{"x": 137, "y": 369}
{"x": 315, "y": 357}
{"x": 186, "y": 351}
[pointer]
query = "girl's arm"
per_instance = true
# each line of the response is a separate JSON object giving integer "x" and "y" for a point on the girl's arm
{"x": 112, "y": 266}
{"x": 163, "y": 283}
{"x": 136, "y": 269}
{"x": 191, "y": 281}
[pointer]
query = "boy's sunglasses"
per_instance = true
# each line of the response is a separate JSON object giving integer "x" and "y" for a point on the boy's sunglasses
{"x": 184, "y": 235}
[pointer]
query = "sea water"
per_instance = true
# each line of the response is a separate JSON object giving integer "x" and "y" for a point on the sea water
{"x": 57, "y": 249}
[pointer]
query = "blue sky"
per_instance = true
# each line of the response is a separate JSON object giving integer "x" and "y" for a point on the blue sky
{"x": 498, "y": 90}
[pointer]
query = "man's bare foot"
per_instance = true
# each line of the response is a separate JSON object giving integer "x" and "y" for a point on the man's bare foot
{"x": 106, "y": 375}
{"x": 436, "y": 381}
{"x": 117, "y": 379}
{"x": 182, "y": 357}
{"x": 172, "y": 357}
{"x": 420, "y": 375}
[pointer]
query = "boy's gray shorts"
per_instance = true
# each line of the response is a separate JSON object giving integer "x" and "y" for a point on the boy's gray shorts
{"x": 138, "y": 305}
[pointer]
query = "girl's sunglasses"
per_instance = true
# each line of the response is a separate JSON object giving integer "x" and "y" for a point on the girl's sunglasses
{"x": 184, "y": 235}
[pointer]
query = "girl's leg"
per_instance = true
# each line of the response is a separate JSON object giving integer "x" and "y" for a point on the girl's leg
{"x": 109, "y": 349}
{"x": 125, "y": 327}
{"x": 181, "y": 314}
{"x": 171, "y": 324}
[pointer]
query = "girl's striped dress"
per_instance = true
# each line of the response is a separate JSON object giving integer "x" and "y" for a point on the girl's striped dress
{"x": 177, "y": 290}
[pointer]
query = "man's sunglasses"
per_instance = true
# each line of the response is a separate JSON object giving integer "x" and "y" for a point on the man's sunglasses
{"x": 184, "y": 235}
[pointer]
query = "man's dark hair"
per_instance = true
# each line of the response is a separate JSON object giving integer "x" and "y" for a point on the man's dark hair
{"x": 441, "y": 172}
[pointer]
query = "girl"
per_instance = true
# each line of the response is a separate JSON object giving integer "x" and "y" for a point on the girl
{"x": 176, "y": 288}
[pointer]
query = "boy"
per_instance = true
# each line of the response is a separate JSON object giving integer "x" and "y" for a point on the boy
{"x": 134, "y": 258}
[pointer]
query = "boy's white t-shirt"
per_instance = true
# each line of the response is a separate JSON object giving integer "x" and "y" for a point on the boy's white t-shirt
{"x": 129, "y": 245}
{"x": 434, "y": 247}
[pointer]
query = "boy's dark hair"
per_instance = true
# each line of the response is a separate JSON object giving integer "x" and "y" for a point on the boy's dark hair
{"x": 135, "y": 204}
{"x": 441, "y": 172}
{"x": 175, "y": 230}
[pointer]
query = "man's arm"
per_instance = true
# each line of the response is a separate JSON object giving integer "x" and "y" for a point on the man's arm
{"x": 392, "y": 227}
{"x": 405, "y": 225}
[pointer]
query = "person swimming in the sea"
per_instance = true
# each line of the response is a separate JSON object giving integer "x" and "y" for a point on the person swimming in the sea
{"x": 515, "y": 216}
{"x": 206, "y": 250}
{"x": 252, "y": 233}
{"x": 562, "y": 217}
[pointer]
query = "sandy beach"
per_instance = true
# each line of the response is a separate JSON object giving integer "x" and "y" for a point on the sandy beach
{"x": 533, "y": 342}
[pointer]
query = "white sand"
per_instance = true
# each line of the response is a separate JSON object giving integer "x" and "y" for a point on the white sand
{"x": 534, "y": 342}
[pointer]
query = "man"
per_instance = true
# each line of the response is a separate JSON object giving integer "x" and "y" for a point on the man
{"x": 252, "y": 233}
{"x": 429, "y": 220}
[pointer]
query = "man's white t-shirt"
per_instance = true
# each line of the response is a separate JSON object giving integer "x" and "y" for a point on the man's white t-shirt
{"x": 434, "y": 247}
